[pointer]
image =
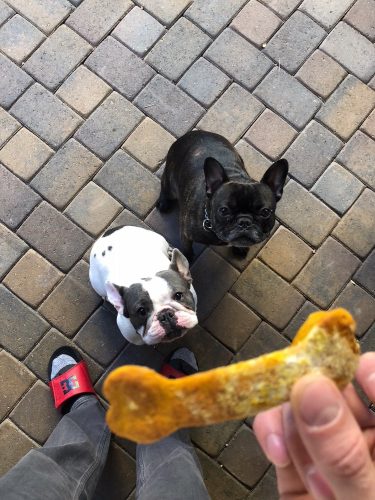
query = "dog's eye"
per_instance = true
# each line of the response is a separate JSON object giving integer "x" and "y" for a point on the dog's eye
{"x": 223, "y": 210}
{"x": 265, "y": 212}
{"x": 178, "y": 296}
{"x": 141, "y": 311}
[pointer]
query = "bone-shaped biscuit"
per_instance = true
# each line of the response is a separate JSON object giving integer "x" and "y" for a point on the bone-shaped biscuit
{"x": 145, "y": 406}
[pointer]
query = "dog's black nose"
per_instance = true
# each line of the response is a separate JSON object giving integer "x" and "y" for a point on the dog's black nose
{"x": 244, "y": 222}
{"x": 166, "y": 316}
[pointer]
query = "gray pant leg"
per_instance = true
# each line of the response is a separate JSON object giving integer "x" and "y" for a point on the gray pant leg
{"x": 69, "y": 464}
{"x": 170, "y": 470}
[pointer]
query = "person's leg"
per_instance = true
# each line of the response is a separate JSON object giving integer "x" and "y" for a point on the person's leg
{"x": 169, "y": 469}
{"x": 71, "y": 461}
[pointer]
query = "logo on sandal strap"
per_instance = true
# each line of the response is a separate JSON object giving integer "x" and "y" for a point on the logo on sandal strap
{"x": 69, "y": 384}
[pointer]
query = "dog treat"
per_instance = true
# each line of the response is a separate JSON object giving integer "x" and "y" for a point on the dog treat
{"x": 145, "y": 406}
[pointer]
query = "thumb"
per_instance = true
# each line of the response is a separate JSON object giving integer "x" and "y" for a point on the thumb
{"x": 333, "y": 439}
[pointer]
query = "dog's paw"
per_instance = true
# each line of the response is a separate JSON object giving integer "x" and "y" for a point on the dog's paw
{"x": 240, "y": 252}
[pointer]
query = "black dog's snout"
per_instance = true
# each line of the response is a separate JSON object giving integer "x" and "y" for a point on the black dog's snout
{"x": 244, "y": 222}
{"x": 166, "y": 316}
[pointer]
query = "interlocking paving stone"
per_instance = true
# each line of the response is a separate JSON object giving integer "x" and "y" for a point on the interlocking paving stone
{"x": 120, "y": 67}
{"x": 32, "y": 278}
{"x": 204, "y": 82}
{"x": 357, "y": 228}
{"x": 326, "y": 12}
{"x": 266, "y": 488}
{"x": 360, "y": 304}
{"x": 298, "y": 320}
{"x": 366, "y": 273}
{"x": 11, "y": 249}
{"x": 57, "y": 57}
{"x": 178, "y": 48}
{"x": 368, "y": 342}
{"x": 14, "y": 444}
{"x": 321, "y": 73}
{"x": 368, "y": 125}
{"x": 83, "y": 90}
{"x": 351, "y": 49}
{"x": 213, "y": 438}
{"x": 45, "y": 115}
{"x": 347, "y": 107}
{"x": 232, "y": 322}
{"x": 15, "y": 380}
{"x": 37, "y": 402}
{"x": 100, "y": 337}
{"x": 256, "y": 23}
{"x": 327, "y": 272}
{"x": 282, "y": 7}
{"x": 108, "y": 125}
{"x": 242, "y": 450}
{"x": 285, "y": 253}
{"x": 268, "y": 294}
{"x": 264, "y": 340}
{"x": 14, "y": 81}
{"x": 18, "y": 38}
{"x": 66, "y": 173}
{"x": 5, "y": 11}
{"x": 127, "y": 218}
{"x": 37, "y": 360}
{"x": 54, "y": 236}
{"x": 94, "y": 18}
{"x": 45, "y": 14}
{"x": 16, "y": 199}
{"x": 24, "y": 154}
{"x": 358, "y": 156}
{"x": 338, "y": 188}
{"x": 311, "y": 152}
{"x": 168, "y": 105}
{"x": 237, "y": 57}
{"x": 8, "y": 125}
{"x": 125, "y": 178}
{"x": 213, "y": 15}
{"x": 362, "y": 17}
{"x": 232, "y": 113}
{"x": 165, "y": 10}
{"x": 220, "y": 484}
{"x": 21, "y": 327}
{"x": 271, "y": 134}
{"x": 305, "y": 214}
{"x": 138, "y": 30}
{"x": 288, "y": 97}
{"x": 294, "y": 41}
{"x": 149, "y": 143}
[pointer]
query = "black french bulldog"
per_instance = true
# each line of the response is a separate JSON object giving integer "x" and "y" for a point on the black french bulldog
{"x": 219, "y": 203}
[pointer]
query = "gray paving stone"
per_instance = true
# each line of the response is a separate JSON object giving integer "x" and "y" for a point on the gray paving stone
{"x": 5, "y": 11}
{"x": 362, "y": 17}
{"x": 326, "y": 12}
{"x": 93, "y": 19}
{"x": 57, "y": 57}
{"x": 232, "y": 114}
{"x": 11, "y": 249}
{"x": 45, "y": 14}
{"x": 213, "y": 438}
{"x": 165, "y": 10}
{"x": 265, "y": 339}
{"x": 125, "y": 179}
{"x": 213, "y": 15}
{"x": 298, "y": 320}
{"x": 282, "y": 7}
{"x": 21, "y": 326}
{"x": 18, "y": 38}
{"x": 358, "y": 156}
{"x": 311, "y": 153}
{"x": 178, "y": 48}
{"x": 16, "y": 199}
{"x": 118, "y": 66}
{"x": 237, "y": 57}
{"x": 295, "y": 41}
{"x": 338, "y": 188}
{"x": 204, "y": 82}
{"x": 54, "y": 236}
{"x": 66, "y": 173}
{"x": 266, "y": 488}
{"x": 365, "y": 275}
{"x": 14, "y": 444}
{"x": 108, "y": 126}
{"x": 14, "y": 81}
{"x": 138, "y": 30}
{"x": 46, "y": 115}
{"x": 351, "y": 49}
{"x": 286, "y": 95}
{"x": 8, "y": 125}
{"x": 168, "y": 105}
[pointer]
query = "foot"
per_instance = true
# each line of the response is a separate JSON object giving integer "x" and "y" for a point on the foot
{"x": 240, "y": 252}
{"x": 180, "y": 363}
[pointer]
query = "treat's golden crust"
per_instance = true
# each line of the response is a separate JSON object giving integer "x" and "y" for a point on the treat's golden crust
{"x": 145, "y": 406}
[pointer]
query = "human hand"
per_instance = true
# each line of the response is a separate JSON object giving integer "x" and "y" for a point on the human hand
{"x": 323, "y": 442}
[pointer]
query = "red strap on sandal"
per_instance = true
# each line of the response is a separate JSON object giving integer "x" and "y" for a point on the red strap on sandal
{"x": 74, "y": 381}
{"x": 170, "y": 372}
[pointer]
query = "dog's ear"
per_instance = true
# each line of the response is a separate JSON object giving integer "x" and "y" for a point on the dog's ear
{"x": 275, "y": 177}
{"x": 180, "y": 264}
{"x": 115, "y": 295}
{"x": 215, "y": 175}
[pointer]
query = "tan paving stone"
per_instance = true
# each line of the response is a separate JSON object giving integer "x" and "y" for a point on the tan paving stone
{"x": 8, "y": 125}
{"x": 362, "y": 17}
{"x": 165, "y": 10}
{"x": 282, "y": 7}
{"x": 327, "y": 272}
{"x": 11, "y": 249}
{"x": 45, "y": 14}
{"x": 255, "y": 163}
{"x": 368, "y": 125}
{"x": 32, "y": 278}
{"x": 14, "y": 444}
{"x": 326, "y": 12}
{"x": 358, "y": 156}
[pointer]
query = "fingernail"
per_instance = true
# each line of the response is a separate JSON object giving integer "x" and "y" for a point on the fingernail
{"x": 317, "y": 485}
{"x": 276, "y": 450}
{"x": 318, "y": 405}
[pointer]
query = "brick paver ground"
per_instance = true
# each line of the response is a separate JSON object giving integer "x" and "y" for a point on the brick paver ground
{"x": 92, "y": 94}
